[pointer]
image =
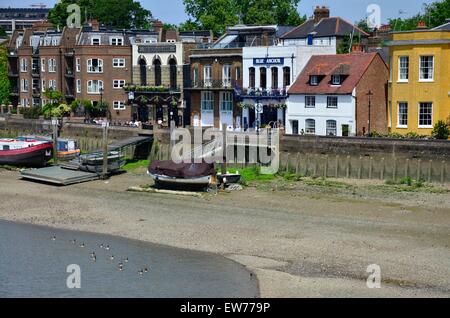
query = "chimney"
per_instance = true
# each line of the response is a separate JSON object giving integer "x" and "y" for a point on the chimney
{"x": 357, "y": 48}
{"x": 94, "y": 24}
{"x": 321, "y": 13}
{"x": 157, "y": 26}
{"x": 421, "y": 25}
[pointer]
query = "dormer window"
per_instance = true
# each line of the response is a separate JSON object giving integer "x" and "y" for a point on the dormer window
{"x": 314, "y": 80}
{"x": 95, "y": 41}
{"x": 336, "y": 80}
{"x": 117, "y": 41}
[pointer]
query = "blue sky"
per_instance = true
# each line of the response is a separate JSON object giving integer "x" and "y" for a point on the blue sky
{"x": 173, "y": 11}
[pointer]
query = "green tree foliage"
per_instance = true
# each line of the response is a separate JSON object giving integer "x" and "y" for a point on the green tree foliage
{"x": 441, "y": 130}
{"x": 2, "y": 32}
{"x": 120, "y": 14}
{"x": 5, "y": 84}
{"x": 216, "y": 15}
{"x": 433, "y": 14}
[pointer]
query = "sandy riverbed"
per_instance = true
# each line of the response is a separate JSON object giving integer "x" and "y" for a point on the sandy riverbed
{"x": 301, "y": 241}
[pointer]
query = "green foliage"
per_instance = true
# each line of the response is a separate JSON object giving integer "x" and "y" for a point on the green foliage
{"x": 55, "y": 97}
{"x": 120, "y": 14}
{"x": 2, "y": 32}
{"x": 395, "y": 135}
{"x": 433, "y": 14}
{"x": 441, "y": 130}
{"x": 5, "y": 84}
{"x": 132, "y": 164}
{"x": 31, "y": 112}
{"x": 216, "y": 15}
{"x": 63, "y": 110}
{"x": 345, "y": 45}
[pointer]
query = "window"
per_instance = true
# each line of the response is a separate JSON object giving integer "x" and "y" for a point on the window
{"x": 286, "y": 77}
{"x": 226, "y": 102}
{"x": 226, "y": 75}
{"x": 252, "y": 77}
{"x": 425, "y": 115}
{"x": 238, "y": 73}
{"x": 95, "y": 41}
{"x": 78, "y": 86}
{"x": 310, "y": 101}
{"x": 116, "y": 41}
{"x": 23, "y": 65}
{"x": 263, "y": 77}
{"x": 43, "y": 66}
{"x": 195, "y": 76}
{"x": 403, "y": 114}
{"x": 314, "y": 80}
{"x": 403, "y": 68}
{"x": 118, "y": 84}
{"x": 207, "y": 102}
{"x": 52, "y": 65}
{"x": 310, "y": 127}
{"x": 207, "y": 75}
{"x": 118, "y": 62}
{"x": 43, "y": 87}
{"x": 24, "y": 102}
{"x": 94, "y": 87}
{"x": 331, "y": 128}
{"x": 24, "y": 85}
{"x": 335, "y": 79}
{"x": 332, "y": 102}
{"x": 52, "y": 85}
{"x": 426, "y": 68}
{"x": 78, "y": 65}
{"x": 95, "y": 66}
{"x": 118, "y": 105}
{"x": 274, "y": 77}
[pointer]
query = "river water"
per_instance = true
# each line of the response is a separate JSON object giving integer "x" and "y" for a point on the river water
{"x": 32, "y": 264}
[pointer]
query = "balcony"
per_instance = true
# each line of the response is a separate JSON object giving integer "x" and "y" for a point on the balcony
{"x": 13, "y": 73}
{"x": 35, "y": 72}
{"x": 214, "y": 85}
{"x": 69, "y": 53}
{"x": 36, "y": 92}
{"x": 69, "y": 73}
{"x": 14, "y": 91}
{"x": 261, "y": 94}
{"x": 152, "y": 89}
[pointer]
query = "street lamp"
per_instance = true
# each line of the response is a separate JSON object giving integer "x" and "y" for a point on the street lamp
{"x": 369, "y": 94}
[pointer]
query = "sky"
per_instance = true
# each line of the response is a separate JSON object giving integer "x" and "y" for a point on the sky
{"x": 353, "y": 10}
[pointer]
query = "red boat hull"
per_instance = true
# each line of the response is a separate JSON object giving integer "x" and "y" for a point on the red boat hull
{"x": 35, "y": 156}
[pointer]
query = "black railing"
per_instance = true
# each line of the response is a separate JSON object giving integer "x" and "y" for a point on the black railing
{"x": 211, "y": 84}
{"x": 35, "y": 71}
{"x": 36, "y": 92}
{"x": 14, "y": 91}
{"x": 263, "y": 93}
{"x": 69, "y": 73}
{"x": 152, "y": 89}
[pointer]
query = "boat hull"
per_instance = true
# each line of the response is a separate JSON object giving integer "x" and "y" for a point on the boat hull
{"x": 36, "y": 156}
{"x": 162, "y": 181}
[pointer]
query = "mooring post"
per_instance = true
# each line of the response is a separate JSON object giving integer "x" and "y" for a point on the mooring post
{"x": 382, "y": 169}
{"x": 430, "y": 167}
{"x": 443, "y": 171}
{"x": 224, "y": 148}
{"x": 394, "y": 170}
{"x": 419, "y": 169}
{"x": 370, "y": 168}
{"x": 336, "y": 167}
{"x": 287, "y": 162}
{"x": 348, "y": 168}
{"x": 407, "y": 169}
{"x": 297, "y": 164}
{"x": 326, "y": 166}
{"x": 55, "y": 140}
{"x": 105, "y": 126}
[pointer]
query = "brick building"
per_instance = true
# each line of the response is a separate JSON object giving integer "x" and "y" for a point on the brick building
{"x": 339, "y": 95}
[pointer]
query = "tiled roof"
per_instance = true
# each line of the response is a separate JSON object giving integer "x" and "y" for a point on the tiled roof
{"x": 351, "y": 66}
{"x": 325, "y": 27}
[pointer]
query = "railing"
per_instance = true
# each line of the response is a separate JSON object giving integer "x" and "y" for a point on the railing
{"x": 14, "y": 91}
{"x": 263, "y": 93}
{"x": 218, "y": 84}
{"x": 36, "y": 92}
{"x": 152, "y": 89}
{"x": 35, "y": 71}
{"x": 69, "y": 73}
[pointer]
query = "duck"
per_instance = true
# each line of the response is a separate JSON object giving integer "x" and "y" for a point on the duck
{"x": 94, "y": 258}
{"x": 74, "y": 241}
{"x": 146, "y": 270}
{"x": 112, "y": 257}
{"x": 141, "y": 272}
{"x": 120, "y": 267}
{"x": 101, "y": 246}
{"x": 126, "y": 260}
{"x": 83, "y": 245}
{"x": 107, "y": 247}
{"x": 54, "y": 238}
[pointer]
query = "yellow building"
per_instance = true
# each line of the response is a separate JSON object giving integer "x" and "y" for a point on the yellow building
{"x": 419, "y": 86}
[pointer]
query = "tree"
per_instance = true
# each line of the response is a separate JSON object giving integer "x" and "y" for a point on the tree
{"x": 119, "y": 14}
{"x": 5, "y": 84}
{"x": 441, "y": 130}
{"x": 433, "y": 14}
{"x": 216, "y": 15}
{"x": 2, "y": 32}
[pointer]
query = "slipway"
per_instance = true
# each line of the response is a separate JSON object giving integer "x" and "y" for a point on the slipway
{"x": 58, "y": 176}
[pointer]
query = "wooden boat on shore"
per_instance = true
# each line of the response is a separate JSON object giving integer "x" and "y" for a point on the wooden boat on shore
{"x": 25, "y": 152}
{"x": 190, "y": 176}
{"x": 94, "y": 162}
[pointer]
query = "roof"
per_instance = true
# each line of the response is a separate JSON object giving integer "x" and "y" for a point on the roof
{"x": 444, "y": 27}
{"x": 333, "y": 26}
{"x": 352, "y": 66}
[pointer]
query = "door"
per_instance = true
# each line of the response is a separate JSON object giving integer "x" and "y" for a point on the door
{"x": 295, "y": 127}
{"x": 345, "y": 130}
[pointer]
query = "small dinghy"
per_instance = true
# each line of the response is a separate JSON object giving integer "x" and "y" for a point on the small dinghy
{"x": 94, "y": 162}
{"x": 25, "y": 152}
{"x": 183, "y": 176}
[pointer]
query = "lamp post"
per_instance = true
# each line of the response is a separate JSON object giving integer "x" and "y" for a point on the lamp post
{"x": 369, "y": 94}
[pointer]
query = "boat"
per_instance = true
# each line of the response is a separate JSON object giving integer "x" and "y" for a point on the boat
{"x": 25, "y": 152}
{"x": 183, "y": 176}
{"x": 94, "y": 162}
{"x": 228, "y": 178}
{"x": 67, "y": 148}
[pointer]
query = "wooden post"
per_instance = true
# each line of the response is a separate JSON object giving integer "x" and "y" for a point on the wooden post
{"x": 370, "y": 168}
{"x": 336, "y": 167}
{"x": 382, "y": 169}
{"x": 443, "y": 163}
{"x": 360, "y": 167}
{"x": 287, "y": 162}
{"x": 326, "y": 167}
{"x": 430, "y": 171}
{"x": 297, "y": 165}
{"x": 55, "y": 140}
{"x": 105, "y": 150}
{"x": 419, "y": 169}
{"x": 394, "y": 170}
{"x": 224, "y": 148}
{"x": 316, "y": 163}
{"x": 407, "y": 169}
{"x": 348, "y": 168}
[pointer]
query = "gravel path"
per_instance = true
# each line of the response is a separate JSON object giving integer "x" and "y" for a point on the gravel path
{"x": 301, "y": 241}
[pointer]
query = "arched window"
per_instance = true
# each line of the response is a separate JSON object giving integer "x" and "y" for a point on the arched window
{"x": 157, "y": 70}
{"x": 310, "y": 127}
{"x": 274, "y": 77}
{"x": 143, "y": 70}
{"x": 252, "y": 77}
{"x": 331, "y": 128}
{"x": 173, "y": 73}
{"x": 286, "y": 76}
{"x": 263, "y": 77}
